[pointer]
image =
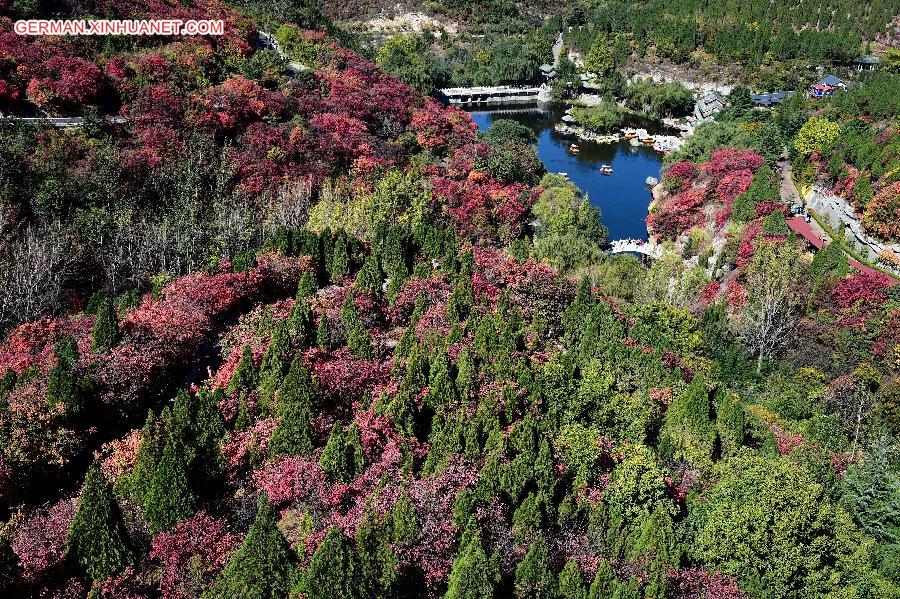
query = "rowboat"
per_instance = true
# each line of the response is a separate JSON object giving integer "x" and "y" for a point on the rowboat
{"x": 574, "y": 148}
{"x": 648, "y": 140}
{"x": 606, "y": 170}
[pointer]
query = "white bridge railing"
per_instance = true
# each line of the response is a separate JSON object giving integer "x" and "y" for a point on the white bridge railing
{"x": 647, "y": 248}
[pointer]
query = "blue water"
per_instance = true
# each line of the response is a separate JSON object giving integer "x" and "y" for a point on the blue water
{"x": 622, "y": 197}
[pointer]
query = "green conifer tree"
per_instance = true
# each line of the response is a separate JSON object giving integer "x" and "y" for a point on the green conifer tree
{"x": 604, "y": 584}
{"x": 405, "y": 523}
{"x": 300, "y": 324}
{"x": 731, "y": 422}
{"x": 408, "y": 339}
{"x": 571, "y": 586}
{"x": 465, "y": 374}
{"x": 306, "y": 286}
{"x": 106, "y": 326}
{"x": 263, "y": 567}
{"x": 97, "y": 540}
{"x": 323, "y": 333}
{"x": 334, "y": 570}
{"x": 370, "y": 276}
{"x": 296, "y": 399}
{"x": 534, "y": 578}
{"x": 63, "y": 388}
{"x": 208, "y": 431}
{"x": 274, "y": 364}
{"x": 356, "y": 459}
{"x": 377, "y": 559}
{"x": 245, "y": 377}
{"x": 358, "y": 341}
{"x": 339, "y": 267}
{"x": 333, "y": 457}
{"x": 170, "y": 499}
{"x": 145, "y": 462}
{"x": 628, "y": 590}
{"x": 528, "y": 518}
{"x": 688, "y": 432}
{"x": 471, "y": 576}
{"x": 576, "y": 314}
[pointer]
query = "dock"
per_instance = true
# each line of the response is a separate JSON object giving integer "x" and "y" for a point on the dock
{"x": 503, "y": 94}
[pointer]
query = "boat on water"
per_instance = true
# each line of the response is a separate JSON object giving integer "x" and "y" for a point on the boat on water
{"x": 648, "y": 140}
{"x": 629, "y": 134}
{"x": 606, "y": 170}
{"x": 574, "y": 148}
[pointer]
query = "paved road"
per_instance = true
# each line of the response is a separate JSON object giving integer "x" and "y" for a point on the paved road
{"x": 58, "y": 121}
{"x": 803, "y": 228}
{"x": 557, "y": 49}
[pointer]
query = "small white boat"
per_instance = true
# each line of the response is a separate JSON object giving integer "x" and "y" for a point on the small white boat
{"x": 606, "y": 170}
{"x": 574, "y": 148}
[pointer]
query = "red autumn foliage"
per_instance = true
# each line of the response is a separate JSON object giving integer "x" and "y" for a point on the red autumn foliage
{"x": 697, "y": 583}
{"x": 191, "y": 554}
{"x": 860, "y": 290}
{"x": 40, "y": 541}
{"x": 344, "y": 377}
{"x": 236, "y": 103}
{"x": 439, "y": 129}
{"x": 733, "y": 184}
{"x": 484, "y": 207}
{"x": 677, "y": 214}
{"x": 728, "y": 160}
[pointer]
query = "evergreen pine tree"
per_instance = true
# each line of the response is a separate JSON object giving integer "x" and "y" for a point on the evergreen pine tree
{"x": 358, "y": 341}
{"x": 262, "y": 567}
{"x": 334, "y": 570}
{"x": 471, "y": 576}
{"x": 145, "y": 462}
{"x": 604, "y": 584}
{"x": 534, "y": 578}
{"x": 465, "y": 374}
{"x": 628, "y": 590}
{"x": 408, "y": 339}
{"x": 393, "y": 262}
{"x": 571, "y": 586}
{"x": 355, "y": 457}
{"x": 528, "y": 518}
{"x": 106, "y": 326}
{"x": 97, "y": 540}
{"x": 656, "y": 543}
{"x": 323, "y": 332}
{"x": 370, "y": 276}
{"x": 337, "y": 459}
{"x": 170, "y": 499}
{"x": 688, "y": 432}
{"x": 300, "y": 323}
{"x": 274, "y": 364}
{"x": 63, "y": 387}
{"x": 208, "y": 431}
{"x": 377, "y": 559}
{"x": 731, "y": 422}
{"x": 307, "y": 287}
{"x": 576, "y": 314}
{"x": 405, "y": 523}
{"x": 245, "y": 377}
{"x": 339, "y": 267}
{"x": 296, "y": 400}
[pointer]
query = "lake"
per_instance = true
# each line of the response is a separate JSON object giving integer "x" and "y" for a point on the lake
{"x": 622, "y": 197}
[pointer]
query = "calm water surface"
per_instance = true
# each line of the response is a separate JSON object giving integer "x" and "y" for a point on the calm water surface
{"x": 622, "y": 197}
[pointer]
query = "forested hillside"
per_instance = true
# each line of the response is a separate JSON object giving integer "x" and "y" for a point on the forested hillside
{"x": 307, "y": 333}
{"x": 491, "y": 43}
{"x": 746, "y": 30}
